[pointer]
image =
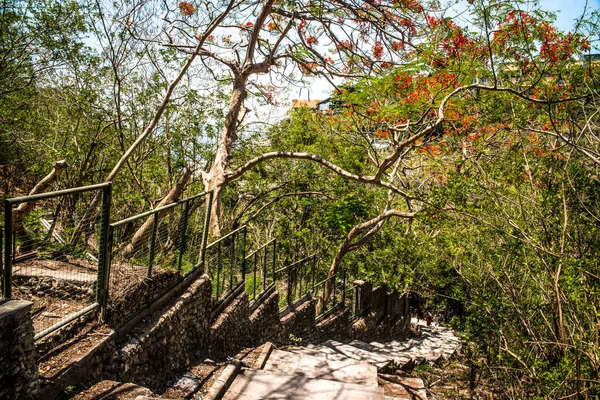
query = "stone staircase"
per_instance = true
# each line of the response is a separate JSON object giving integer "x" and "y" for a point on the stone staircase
{"x": 335, "y": 370}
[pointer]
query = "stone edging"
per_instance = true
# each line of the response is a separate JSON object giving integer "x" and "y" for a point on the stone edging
{"x": 218, "y": 389}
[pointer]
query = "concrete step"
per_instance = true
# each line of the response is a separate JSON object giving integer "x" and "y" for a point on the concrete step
{"x": 324, "y": 352}
{"x": 260, "y": 384}
{"x": 399, "y": 353}
{"x": 361, "y": 351}
{"x": 349, "y": 371}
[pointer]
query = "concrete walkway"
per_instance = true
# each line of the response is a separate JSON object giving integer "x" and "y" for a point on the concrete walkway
{"x": 335, "y": 370}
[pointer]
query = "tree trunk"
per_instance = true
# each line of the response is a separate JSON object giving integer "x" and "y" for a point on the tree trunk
{"x": 346, "y": 246}
{"x": 215, "y": 179}
{"x": 140, "y": 236}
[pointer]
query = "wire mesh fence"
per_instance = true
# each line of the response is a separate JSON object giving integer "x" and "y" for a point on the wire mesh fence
{"x": 296, "y": 280}
{"x": 331, "y": 293}
{"x": 225, "y": 260}
{"x": 54, "y": 247}
{"x": 260, "y": 269}
{"x": 163, "y": 244}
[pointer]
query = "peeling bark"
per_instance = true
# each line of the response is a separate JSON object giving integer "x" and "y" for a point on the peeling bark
{"x": 215, "y": 179}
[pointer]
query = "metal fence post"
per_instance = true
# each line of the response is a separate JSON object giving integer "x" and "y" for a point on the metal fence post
{"x": 106, "y": 277}
{"x": 7, "y": 276}
{"x": 103, "y": 256}
{"x": 301, "y": 269}
{"x": 264, "y": 268}
{"x": 254, "y": 281}
{"x": 205, "y": 233}
{"x": 274, "y": 262}
{"x": 182, "y": 234}
{"x": 152, "y": 244}
{"x": 289, "y": 286}
{"x": 244, "y": 254}
{"x": 344, "y": 288}
{"x": 314, "y": 270}
{"x": 219, "y": 267}
{"x": 233, "y": 262}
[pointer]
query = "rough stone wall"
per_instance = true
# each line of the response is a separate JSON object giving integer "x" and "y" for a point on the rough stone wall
{"x": 365, "y": 328}
{"x": 264, "y": 321}
{"x": 169, "y": 344}
{"x": 298, "y": 320}
{"x": 231, "y": 329}
{"x": 334, "y": 327}
{"x": 18, "y": 371}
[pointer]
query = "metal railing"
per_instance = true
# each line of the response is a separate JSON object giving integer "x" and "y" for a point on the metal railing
{"x": 54, "y": 255}
{"x": 337, "y": 296}
{"x": 166, "y": 243}
{"x": 299, "y": 281}
{"x": 259, "y": 265}
{"x": 225, "y": 260}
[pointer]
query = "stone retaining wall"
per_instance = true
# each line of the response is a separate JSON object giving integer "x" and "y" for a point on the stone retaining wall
{"x": 18, "y": 371}
{"x": 231, "y": 330}
{"x": 165, "y": 346}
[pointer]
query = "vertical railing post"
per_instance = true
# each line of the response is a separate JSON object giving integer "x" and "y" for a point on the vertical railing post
{"x": 219, "y": 268}
{"x": 314, "y": 270}
{"x": 289, "y": 286}
{"x": 205, "y": 233}
{"x": 264, "y": 268}
{"x": 274, "y": 262}
{"x": 344, "y": 288}
{"x": 152, "y": 244}
{"x": 103, "y": 265}
{"x": 106, "y": 277}
{"x": 232, "y": 261}
{"x": 243, "y": 255}
{"x": 183, "y": 234}
{"x": 301, "y": 268}
{"x": 7, "y": 276}
{"x": 254, "y": 277}
{"x": 334, "y": 277}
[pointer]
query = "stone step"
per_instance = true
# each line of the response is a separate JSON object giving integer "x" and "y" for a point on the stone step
{"x": 260, "y": 384}
{"x": 349, "y": 371}
{"x": 400, "y": 354}
{"x": 361, "y": 351}
{"x": 324, "y": 352}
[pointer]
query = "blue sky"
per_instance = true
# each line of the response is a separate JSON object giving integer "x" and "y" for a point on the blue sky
{"x": 568, "y": 10}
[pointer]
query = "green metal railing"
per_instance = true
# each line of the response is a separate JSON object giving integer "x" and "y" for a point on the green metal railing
{"x": 299, "y": 280}
{"x": 55, "y": 257}
{"x": 260, "y": 269}
{"x": 337, "y": 296}
{"x": 226, "y": 263}
{"x": 168, "y": 240}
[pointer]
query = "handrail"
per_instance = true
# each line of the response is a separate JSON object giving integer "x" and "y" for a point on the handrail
{"x": 157, "y": 210}
{"x": 225, "y": 237}
{"x": 58, "y": 193}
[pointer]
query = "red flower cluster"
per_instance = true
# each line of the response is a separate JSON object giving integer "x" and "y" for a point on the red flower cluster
{"x": 186, "y": 8}
{"x": 378, "y": 50}
{"x": 312, "y": 40}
